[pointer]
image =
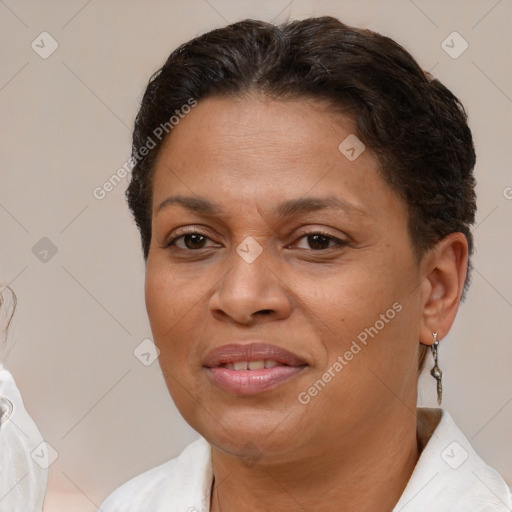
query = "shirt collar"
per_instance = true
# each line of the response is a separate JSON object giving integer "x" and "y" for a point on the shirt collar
{"x": 449, "y": 474}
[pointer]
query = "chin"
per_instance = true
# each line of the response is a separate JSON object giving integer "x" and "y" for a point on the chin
{"x": 250, "y": 432}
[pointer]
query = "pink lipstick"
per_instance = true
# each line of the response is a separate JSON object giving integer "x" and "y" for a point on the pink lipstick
{"x": 251, "y": 368}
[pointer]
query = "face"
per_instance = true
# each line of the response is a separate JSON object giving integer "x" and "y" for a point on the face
{"x": 300, "y": 263}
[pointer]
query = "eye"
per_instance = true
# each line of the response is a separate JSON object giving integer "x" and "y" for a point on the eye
{"x": 191, "y": 239}
{"x": 318, "y": 240}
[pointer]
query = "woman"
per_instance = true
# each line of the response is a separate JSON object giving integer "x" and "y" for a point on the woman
{"x": 304, "y": 195}
{"x": 23, "y": 456}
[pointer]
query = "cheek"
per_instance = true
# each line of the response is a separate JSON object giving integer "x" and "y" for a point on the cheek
{"x": 352, "y": 296}
{"x": 168, "y": 299}
{"x": 175, "y": 304}
{"x": 372, "y": 302}
{"x": 157, "y": 301}
{"x": 167, "y": 307}
{"x": 170, "y": 311}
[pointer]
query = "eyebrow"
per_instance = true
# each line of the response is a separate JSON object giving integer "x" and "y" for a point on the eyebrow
{"x": 288, "y": 208}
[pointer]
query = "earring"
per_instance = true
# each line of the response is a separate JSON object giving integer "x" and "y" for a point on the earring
{"x": 436, "y": 371}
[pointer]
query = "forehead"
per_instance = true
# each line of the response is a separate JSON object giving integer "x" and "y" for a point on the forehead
{"x": 255, "y": 127}
{"x": 246, "y": 148}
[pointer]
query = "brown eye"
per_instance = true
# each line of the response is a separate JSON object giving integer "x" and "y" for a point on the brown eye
{"x": 191, "y": 241}
{"x": 319, "y": 241}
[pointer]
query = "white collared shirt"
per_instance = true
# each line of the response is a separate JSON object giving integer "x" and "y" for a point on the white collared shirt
{"x": 23, "y": 459}
{"x": 449, "y": 477}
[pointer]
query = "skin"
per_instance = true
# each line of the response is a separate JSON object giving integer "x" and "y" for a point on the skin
{"x": 354, "y": 445}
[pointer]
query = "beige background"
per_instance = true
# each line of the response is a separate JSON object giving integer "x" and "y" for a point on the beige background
{"x": 66, "y": 124}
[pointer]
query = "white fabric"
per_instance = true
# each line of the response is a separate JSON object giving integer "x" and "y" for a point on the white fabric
{"x": 449, "y": 477}
{"x": 22, "y": 480}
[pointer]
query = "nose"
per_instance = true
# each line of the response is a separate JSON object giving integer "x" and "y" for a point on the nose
{"x": 253, "y": 292}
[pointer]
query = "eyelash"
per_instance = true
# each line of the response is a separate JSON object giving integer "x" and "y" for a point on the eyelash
{"x": 339, "y": 242}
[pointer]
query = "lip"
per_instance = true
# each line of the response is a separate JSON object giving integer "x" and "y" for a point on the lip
{"x": 236, "y": 352}
{"x": 250, "y": 382}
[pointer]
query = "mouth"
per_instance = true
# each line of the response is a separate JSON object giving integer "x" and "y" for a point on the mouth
{"x": 251, "y": 368}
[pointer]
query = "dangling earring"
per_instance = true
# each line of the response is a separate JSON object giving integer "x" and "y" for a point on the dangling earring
{"x": 436, "y": 371}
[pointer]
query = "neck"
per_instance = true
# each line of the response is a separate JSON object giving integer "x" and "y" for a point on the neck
{"x": 366, "y": 475}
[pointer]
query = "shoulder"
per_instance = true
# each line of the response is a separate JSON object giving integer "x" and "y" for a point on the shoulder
{"x": 183, "y": 483}
{"x": 450, "y": 475}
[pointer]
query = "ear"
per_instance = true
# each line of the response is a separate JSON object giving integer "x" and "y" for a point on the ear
{"x": 445, "y": 269}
